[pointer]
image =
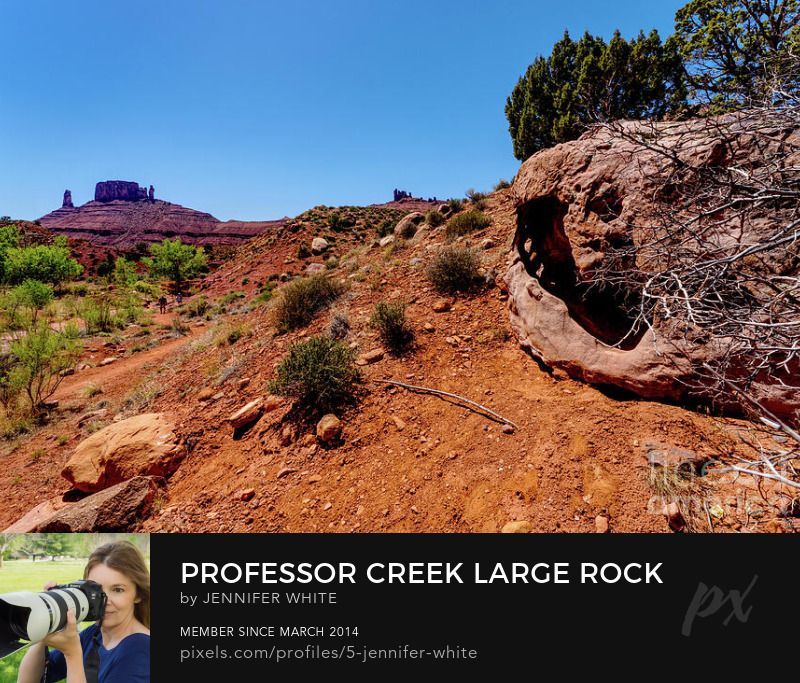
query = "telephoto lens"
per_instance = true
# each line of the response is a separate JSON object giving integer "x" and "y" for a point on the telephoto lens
{"x": 30, "y": 617}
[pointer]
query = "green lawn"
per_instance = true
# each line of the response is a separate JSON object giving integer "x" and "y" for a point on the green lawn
{"x": 24, "y": 575}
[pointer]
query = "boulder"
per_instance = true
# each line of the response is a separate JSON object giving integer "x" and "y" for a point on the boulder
{"x": 35, "y": 516}
{"x": 319, "y": 245}
{"x": 406, "y": 227}
{"x": 521, "y": 526}
{"x": 247, "y": 414}
{"x": 370, "y": 357}
{"x": 314, "y": 268}
{"x": 141, "y": 445}
{"x": 386, "y": 241}
{"x": 574, "y": 204}
{"x": 329, "y": 428}
{"x": 118, "y": 508}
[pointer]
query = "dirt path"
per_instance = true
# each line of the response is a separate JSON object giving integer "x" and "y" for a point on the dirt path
{"x": 122, "y": 371}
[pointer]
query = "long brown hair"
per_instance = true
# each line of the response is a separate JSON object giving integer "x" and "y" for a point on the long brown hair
{"x": 125, "y": 558}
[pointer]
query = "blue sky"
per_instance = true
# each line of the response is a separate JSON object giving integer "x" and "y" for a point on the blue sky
{"x": 255, "y": 110}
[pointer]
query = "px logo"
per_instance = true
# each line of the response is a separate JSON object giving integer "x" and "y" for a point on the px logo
{"x": 708, "y": 601}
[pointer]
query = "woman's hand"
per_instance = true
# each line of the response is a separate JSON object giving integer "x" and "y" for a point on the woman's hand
{"x": 67, "y": 639}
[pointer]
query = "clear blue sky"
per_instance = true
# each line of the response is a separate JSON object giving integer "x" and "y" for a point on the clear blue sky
{"x": 255, "y": 110}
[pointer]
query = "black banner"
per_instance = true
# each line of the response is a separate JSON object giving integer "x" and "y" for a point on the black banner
{"x": 241, "y": 605}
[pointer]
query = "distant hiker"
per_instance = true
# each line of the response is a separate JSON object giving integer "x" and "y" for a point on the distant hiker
{"x": 179, "y": 298}
{"x": 162, "y": 304}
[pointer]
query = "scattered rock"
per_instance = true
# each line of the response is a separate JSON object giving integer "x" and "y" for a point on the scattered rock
{"x": 327, "y": 506}
{"x": 675, "y": 517}
{"x": 92, "y": 415}
{"x": 36, "y": 516}
{"x": 386, "y": 241}
{"x": 428, "y": 328}
{"x": 52, "y": 404}
{"x": 319, "y": 245}
{"x": 488, "y": 243}
{"x": 205, "y": 394}
{"x": 398, "y": 422}
{"x": 370, "y": 357}
{"x": 672, "y": 457}
{"x": 601, "y": 524}
{"x": 314, "y": 478}
{"x": 521, "y": 526}
{"x": 442, "y": 305}
{"x": 141, "y": 445}
{"x": 247, "y": 414}
{"x": 508, "y": 429}
{"x": 313, "y": 268}
{"x": 67, "y": 372}
{"x": 246, "y": 494}
{"x": 406, "y": 227}
{"x": 285, "y": 472}
{"x": 243, "y": 383}
{"x": 329, "y": 428}
{"x": 108, "y": 361}
{"x": 118, "y": 508}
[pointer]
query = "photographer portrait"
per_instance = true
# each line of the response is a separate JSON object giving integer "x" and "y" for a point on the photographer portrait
{"x": 114, "y": 649}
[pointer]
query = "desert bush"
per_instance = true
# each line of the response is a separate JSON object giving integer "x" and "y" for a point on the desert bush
{"x": 302, "y": 298}
{"x": 339, "y": 326}
{"x": 394, "y": 329}
{"x": 46, "y": 263}
{"x": 502, "y": 184}
{"x": 467, "y": 222}
{"x": 153, "y": 291}
{"x": 303, "y": 251}
{"x": 197, "y": 308}
{"x": 455, "y": 205}
{"x": 124, "y": 273}
{"x": 99, "y": 316}
{"x": 386, "y": 227}
{"x": 434, "y": 218}
{"x": 454, "y": 269}
{"x": 319, "y": 372}
{"x": 41, "y": 355}
{"x": 474, "y": 196}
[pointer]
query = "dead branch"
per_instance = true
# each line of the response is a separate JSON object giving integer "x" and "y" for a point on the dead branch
{"x": 438, "y": 392}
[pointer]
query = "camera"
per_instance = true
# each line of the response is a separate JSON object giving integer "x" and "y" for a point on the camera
{"x": 27, "y": 616}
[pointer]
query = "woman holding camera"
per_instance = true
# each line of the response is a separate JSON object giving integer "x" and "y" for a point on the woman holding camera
{"x": 115, "y": 649}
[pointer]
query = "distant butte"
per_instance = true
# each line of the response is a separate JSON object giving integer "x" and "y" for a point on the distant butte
{"x": 123, "y": 214}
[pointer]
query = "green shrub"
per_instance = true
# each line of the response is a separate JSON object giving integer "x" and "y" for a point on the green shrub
{"x": 454, "y": 269}
{"x": 502, "y": 184}
{"x": 175, "y": 260}
{"x": 98, "y": 315}
{"x": 230, "y": 297}
{"x": 303, "y": 251}
{"x": 467, "y": 222}
{"x": 434, "y": 218}
{"x": 302, "y": 298}
{"x": 386, "y": 227}
{"x": 455, "y": 205}
{"x": 390, "y": 321}
{"x": 148, "y": 288}
{"x": 24, "y": 303}
{"x": 46, "y": 263}
{"x": 198, "y": 307}
{"x": 41, "y": 355}
{"x": 320, "y": 373}
{"x": 124, "y": 273}
{"x": 474, "y": 196}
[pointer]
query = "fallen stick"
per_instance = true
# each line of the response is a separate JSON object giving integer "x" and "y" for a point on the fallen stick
{"x": 428, "y": 390}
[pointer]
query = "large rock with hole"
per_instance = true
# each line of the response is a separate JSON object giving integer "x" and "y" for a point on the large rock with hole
{"x": 578, "y": 203}
{"x": 118, "y": 508}
{"x": 141, "y": 445}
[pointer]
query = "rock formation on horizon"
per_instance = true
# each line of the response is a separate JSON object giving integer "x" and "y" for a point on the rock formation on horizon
{"x": 124, "y": 214}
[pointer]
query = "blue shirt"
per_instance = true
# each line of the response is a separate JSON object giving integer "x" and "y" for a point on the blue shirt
{"x": 128, "y": 662}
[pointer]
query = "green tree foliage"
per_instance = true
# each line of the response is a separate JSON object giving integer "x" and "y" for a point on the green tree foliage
{"x": 46, "y": 263}
{"x": 586, "y": 81}
{"x": 32, "y": 296}
{"x": 175, "y": 260}
{"x": 124, "y": 272}
{"x": 9, "y": 239}
{"x": 735, "y": 49}
{"x": 40, "y": 356}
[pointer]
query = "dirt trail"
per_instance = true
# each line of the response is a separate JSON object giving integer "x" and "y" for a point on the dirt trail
{"x": 120, "y": 372}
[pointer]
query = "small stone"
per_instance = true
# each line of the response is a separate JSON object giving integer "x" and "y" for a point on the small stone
{"x": 386, "y": 241}
{"x": 319, "y": 245}
{"x": 441, "y": 305}
{"x": 246, "y": 494}
{"x": 675, "y": 517}
{"x": 247, "y": 414}
{"x": 370, "y": 357}
{"x": 601, "y": 524}
{"x": 398, "y": 422}
{"x": 508, "y": 429}
{"x": 108, "y": 361}
{"x": 428, "y": 328}
{"x": 314, "y": 478}
{"x": 329, "y": 428}
{"x": 205, "y": 394}
{"x": 327, "y": 506}
{"x": 285, "y": 471}
{"x": 488, "y": 243}
{"x": 243, "y": 382}
{"x": 521, "y": 526}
